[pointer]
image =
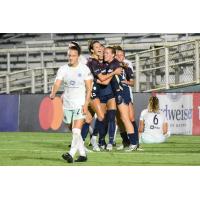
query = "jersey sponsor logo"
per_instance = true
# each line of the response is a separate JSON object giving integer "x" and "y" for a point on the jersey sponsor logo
{"x": 110, "y": 70}
{"x": 154, "y": 127}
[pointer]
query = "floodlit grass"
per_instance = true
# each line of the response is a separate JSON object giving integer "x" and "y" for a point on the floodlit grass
{"x": 45, "y": 149}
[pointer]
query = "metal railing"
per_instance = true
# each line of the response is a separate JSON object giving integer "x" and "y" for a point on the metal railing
{"x": 167, "y": 67}
{"x": 155, "y": 69}
{"x": 37, "y": 80}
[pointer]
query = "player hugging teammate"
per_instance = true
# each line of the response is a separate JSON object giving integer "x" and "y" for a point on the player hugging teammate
{"x": 110, "y": 100}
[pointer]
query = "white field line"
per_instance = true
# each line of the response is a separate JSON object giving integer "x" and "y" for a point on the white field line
{"x": 52, "y": 140}
{"x": 103, "y": 152}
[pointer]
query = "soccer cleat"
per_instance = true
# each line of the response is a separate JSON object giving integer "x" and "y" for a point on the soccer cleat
{"x": 94, "y": 144}
{"x": 81, "y": 159}
{"x": 96, "y": 148}
{"x": 121, "y": 147}
{"x": 87, "y": 150}
{"x": 109, "y": 147}
{"x": 131, "y": 148}
{"x": 140, "y": 149}
{"x": 67, "y": 157}
{"x": 102, "y": 147}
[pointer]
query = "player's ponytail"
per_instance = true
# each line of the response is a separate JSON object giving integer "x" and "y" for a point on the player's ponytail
{"x": 153, "y": 104}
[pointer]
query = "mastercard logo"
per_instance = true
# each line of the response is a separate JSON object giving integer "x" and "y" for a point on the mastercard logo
{"x": 50, "y": 113}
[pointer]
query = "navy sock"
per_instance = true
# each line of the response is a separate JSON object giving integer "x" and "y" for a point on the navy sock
{"x": 111, "y": 114}
{"x": 84, "y": 130}
{"x": 136, "y": 138}
{"x": 101, "y": 130}
{"x": 106, "y": 128}
{"x": 125, "y": 140}
{"x": 95, "y": 131}
{"x": 132, "y": 138}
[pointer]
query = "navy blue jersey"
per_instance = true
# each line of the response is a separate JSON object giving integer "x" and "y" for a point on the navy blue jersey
{"x": 127, "y": 74}
{"x": 94, "y": 66}
{"x": 104, "y": 90}
{"x": 116, "y": 80}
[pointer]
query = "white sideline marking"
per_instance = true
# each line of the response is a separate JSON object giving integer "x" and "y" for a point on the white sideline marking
{"x": 27, "y": 140}
{"x": 102, "y": 152}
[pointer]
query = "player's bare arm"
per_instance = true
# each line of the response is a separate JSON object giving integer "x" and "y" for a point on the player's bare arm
{"x": 141, "y": 127}
{"x": 103, "y": 77}
{"x": 55, "y": 88}
{"x": 165, "y": 128}
{"x": 88, "y": 85}
{"x": 106, "y": 82}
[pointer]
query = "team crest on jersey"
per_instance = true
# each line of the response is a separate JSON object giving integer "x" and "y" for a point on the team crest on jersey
{"x": 72, "y": 82}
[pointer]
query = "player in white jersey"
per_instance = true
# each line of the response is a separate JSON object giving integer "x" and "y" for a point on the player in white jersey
{"x": 77, "y": 81}
{"x": 153, "y": 126}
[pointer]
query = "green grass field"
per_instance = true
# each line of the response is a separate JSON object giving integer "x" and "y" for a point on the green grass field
{"x": 45, "y": 149}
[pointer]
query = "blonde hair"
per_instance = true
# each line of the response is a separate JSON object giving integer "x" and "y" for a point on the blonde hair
{"x": 153, "y": 104}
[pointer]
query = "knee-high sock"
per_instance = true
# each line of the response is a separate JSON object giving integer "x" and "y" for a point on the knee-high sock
{"x": 80, "y": 145}
{"x": 136, "y": 136}
{"x": 125, "y": 139}
{"x": 74, "y": 143}
{"x": 111, "y": 114}
{"x": 101, "y": 130}
{"x": 132, "y": 139}
{"x": 84, "y": 130}
{"x": 95, "y": 130}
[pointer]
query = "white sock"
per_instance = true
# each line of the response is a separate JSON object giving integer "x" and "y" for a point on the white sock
{"x": 116, "y": 128}
{"x": 80, "y": 146}
{"x": 75, "y": 143}
{"x": 94, "y": 140}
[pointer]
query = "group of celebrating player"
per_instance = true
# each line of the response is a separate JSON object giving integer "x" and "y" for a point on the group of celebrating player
{"x": 98, "y": 87}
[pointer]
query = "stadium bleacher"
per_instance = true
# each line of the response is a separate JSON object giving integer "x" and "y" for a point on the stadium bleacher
{"x": 28, "y": 62}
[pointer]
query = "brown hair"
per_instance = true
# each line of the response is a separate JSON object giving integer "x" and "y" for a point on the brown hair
{"x": 153, "y": 104}
{"x": 112, "y": 49}
{"x": 91, "y": 44}
{"x": 77, "y": 48}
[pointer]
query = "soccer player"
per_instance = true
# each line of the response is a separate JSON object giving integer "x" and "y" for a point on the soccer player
{"x": 95, "y": 65}
{"x": 82, "y": 59}
{"x": 120, "y": 90}
{"x": 77, "y": 80}
{"x": 120, "y": 56}
{"x": 153, "y": 126}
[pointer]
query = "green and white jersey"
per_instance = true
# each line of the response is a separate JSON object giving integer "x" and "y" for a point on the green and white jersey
{"x": 153, "y": 122}
{"x": 74, "y": 85}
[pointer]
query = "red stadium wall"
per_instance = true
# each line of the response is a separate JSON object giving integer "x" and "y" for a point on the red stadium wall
{"x": 196, "y": 114}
